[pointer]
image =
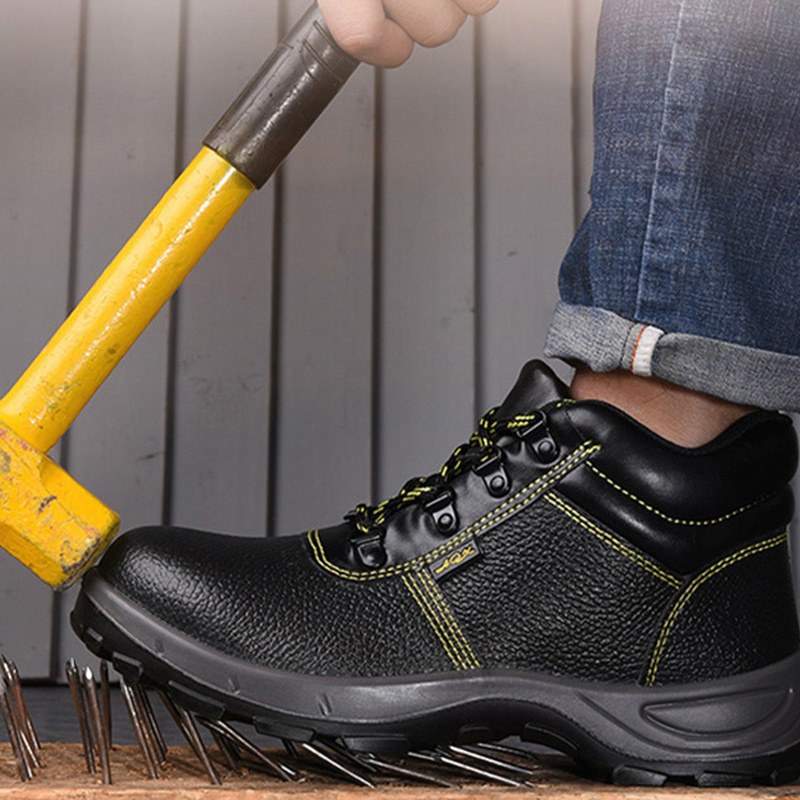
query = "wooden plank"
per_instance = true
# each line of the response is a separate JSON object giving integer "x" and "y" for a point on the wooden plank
{"x": 65, "y": 776}
{"x": 222, "y": 381}
{"x": 325, "y": 336}
{"x": 39, "y": 44}
{"x": 128, "y": 152}
{"x": 427, "y": 291}
{"x": 527, "y": 198}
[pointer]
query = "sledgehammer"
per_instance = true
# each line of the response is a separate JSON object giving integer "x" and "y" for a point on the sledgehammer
{"x": 47, "y": 520}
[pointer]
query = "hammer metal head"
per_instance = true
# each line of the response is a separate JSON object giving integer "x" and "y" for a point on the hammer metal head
{"x": 47, "y": 519}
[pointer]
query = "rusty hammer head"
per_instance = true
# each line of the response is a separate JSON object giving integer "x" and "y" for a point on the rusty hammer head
{"x": 47, "y": 519}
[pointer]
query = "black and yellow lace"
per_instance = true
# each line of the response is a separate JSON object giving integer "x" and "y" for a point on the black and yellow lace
{"x": 481, "y": 449}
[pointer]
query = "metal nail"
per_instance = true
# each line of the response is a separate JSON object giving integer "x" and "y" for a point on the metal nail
{"x": 96, "y": 719}
{"x": 200, "y": 748}
{"x": 184, "y": 721}
{"x": 23, "y": 708}
{"x": 138, "y": 728}
{"x": 347, "y": 754}
{"x": 148, "y": 736}
{"x": 443, "y": 758}
{"x": 405, "y": 772}
{"x": 154, "y": 726}
{"x": 16, "y": 705}
{"x": 228, "y": 752}
{"x": 152, "y": 733}
{"x": 28, "y": 749}
{"x": 24, "y": 768}
{"x": 241, "y": 741}
{"x": 171, "y": 707}
{"x": 459, "y": 766}
{"x": 491, "y": 761}
{"x": 76, "y": 690}
{"x": 290, "y": 747}
{"x": 105, "y": 699}
{"x": 494, "y": 747}
{"x": 329, "y": 760}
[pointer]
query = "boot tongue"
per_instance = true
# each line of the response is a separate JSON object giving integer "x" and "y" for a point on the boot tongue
{"x": 536, "y": 386}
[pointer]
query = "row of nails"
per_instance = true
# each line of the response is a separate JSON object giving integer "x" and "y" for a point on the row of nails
{"x": 490, "y": 762}
{"x": 487, "y": 761}
{"x": 94, "y": 715}
{"x": 19, "y": 725}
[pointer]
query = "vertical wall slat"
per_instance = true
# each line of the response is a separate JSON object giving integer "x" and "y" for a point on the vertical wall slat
{"x": 427, "y": 291}
{"x": 116, "y": 446}
{"x": 38, "y": 87}
{"x": 527, "y": 182}
{"x": 324, "y": 369}
{"x": 222, "y": 382}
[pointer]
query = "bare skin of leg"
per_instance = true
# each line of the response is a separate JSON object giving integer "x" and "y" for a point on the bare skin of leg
{"x": 680, "y": 415}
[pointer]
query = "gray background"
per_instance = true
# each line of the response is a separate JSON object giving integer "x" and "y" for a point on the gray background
{"x": 351, "y": 324}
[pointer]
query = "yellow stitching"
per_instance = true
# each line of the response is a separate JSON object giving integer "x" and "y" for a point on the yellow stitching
{"x": 674, "y": 520}
{"x": 567, "y": 401}
{"x": 444, "y": 609}
{"x": 538, "y": 486}
{"x": 449, "y": 630}
{"x": 438, "y": 629}
{"x": 312, "y": 543}
{"x": 522, "y": 420}
{"x": 681, "y": 602}
{"x": 613, "y": 542}
{"x": 413, "y": 592}
{"x": 462, "y": 662}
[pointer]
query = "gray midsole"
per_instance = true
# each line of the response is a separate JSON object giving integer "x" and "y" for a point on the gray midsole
{"x": 748, "y": 715}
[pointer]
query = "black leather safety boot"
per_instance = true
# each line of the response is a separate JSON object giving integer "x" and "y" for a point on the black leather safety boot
{"x": 568, "y": 577}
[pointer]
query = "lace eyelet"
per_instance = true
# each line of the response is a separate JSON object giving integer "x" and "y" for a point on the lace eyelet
{"x": 494, "y": 475}
{"x": 537, "y": 436}
{"x": 369, "y": 548}
{"x": 443, "y": 510}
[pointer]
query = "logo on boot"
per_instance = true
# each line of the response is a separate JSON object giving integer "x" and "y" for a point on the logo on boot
{"x": 448, "y": 564}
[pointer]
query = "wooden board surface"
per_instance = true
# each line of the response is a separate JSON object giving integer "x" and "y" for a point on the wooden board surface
{"x": 64, "y": 776}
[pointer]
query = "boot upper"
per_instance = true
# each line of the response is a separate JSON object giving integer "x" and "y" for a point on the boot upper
{"x": 563, "y": 538}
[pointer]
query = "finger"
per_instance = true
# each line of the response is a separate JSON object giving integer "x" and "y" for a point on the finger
{"x": 362, "y": 29}
{"x": 428, "y": 22}
{"x": 476, "y": 7}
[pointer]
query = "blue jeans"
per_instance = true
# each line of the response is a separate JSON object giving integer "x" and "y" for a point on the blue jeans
{"x": 687, "y": 265}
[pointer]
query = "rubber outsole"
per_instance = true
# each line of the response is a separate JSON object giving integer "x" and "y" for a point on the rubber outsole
{"x": 731, "y": 732}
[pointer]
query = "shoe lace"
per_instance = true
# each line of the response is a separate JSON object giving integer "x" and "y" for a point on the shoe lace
{"x": 480, "y": 448}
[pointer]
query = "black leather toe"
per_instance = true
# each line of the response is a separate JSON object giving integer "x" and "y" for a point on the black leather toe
{"x": 268, "y": 602}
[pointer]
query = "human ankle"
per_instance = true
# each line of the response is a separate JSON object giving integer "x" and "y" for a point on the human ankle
{"x": 680, "y": 415}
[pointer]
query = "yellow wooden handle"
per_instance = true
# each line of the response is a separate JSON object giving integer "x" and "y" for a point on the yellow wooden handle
{"x": 144, "y": 275}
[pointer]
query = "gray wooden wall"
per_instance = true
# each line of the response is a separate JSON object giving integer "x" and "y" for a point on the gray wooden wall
{"x": 352, "y": 323}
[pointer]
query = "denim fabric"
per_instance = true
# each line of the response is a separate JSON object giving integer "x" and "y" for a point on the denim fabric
{"x": 694, "y": 226}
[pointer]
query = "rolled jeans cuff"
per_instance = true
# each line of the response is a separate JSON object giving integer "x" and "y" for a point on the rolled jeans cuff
{"x": 604, "y": 341}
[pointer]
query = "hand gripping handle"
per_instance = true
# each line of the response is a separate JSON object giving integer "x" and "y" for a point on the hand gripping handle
{"x": 282, "y": 101}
